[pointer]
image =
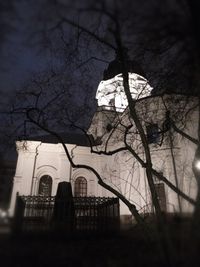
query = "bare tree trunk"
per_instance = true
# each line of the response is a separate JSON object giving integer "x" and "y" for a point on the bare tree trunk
{"x": 131, "y": 207}
{"x": 174, "y": 168}
{"x": 195, "y": 226}
{"x": 163, "y": 235}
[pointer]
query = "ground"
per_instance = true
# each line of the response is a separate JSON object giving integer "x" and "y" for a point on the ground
{"x": 82, "y": 252}
{"x": 126, "y": 248}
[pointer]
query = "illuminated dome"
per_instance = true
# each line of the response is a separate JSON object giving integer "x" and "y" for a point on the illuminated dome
{"x": 110, "y": 92}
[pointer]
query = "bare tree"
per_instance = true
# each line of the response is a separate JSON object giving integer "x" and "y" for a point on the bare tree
{"x": 119, "y": 139}
{"x": 108, "y": 31}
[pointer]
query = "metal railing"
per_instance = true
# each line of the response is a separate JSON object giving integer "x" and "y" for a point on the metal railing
{"x": 82, "y": 213}
{"x": 96, "y": 213}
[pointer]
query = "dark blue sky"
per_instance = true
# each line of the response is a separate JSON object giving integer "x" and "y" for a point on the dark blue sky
{"x": 18, "y": 58}
{"x": 153, "y": 27}
{"x": 24, "y": 53}
{"x": 150, "y": 30}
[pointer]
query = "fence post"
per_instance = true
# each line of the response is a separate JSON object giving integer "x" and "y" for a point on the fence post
{"x": 63, "y": 219}
{"x": 17, "y": 223}
{"x": 117, "y": 213}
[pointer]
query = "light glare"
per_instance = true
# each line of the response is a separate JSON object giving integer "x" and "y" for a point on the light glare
{"x": 112, "y": 90}
{"x": 197, "y": 165}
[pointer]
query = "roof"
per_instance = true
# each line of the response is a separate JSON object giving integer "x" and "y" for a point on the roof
{"x": 68, "y": 138}
{"x": 115, "y": 67}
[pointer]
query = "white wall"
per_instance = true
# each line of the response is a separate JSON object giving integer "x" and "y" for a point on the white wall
{"x": 121, "y": 171}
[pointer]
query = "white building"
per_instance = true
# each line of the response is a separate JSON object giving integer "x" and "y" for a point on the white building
{"x": 42, "y": 165}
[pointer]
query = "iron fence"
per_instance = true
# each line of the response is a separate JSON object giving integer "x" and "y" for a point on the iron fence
{"x": 96, "y": 213}
{"x": 78, "y": 214}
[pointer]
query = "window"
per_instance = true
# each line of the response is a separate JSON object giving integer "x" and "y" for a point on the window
{"x": 109, "y": 127}
{"x": 160, "y": 190}
{"x": 80, "y": 189}
{"x": 111, "y": 102}
{"x": 152, "y": 133}
{"x": 45, "y": 186}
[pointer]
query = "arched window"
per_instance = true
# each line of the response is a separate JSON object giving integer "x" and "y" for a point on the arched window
{"x": 80, "y": 189}
{"x": 45, "y": 186}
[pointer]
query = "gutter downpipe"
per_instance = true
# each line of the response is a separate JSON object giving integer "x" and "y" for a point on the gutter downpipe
{"x": 34, "y": 165}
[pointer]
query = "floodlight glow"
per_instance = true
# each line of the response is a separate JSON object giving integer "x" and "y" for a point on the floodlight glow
{"x": 197, "y": 165}
{"x": 111, "y": 92}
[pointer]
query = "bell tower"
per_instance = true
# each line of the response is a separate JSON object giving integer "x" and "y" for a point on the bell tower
{"x": 111, "y": 97}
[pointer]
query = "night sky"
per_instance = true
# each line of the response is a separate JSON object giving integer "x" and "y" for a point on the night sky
{"x": 159, "y": 35}
{"x": 24, "y": 51}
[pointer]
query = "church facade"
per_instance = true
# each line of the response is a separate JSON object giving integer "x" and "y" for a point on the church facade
{"x": 42, "y": 165}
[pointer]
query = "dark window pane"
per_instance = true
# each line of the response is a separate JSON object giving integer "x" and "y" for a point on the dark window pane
{"x": 80, "y": 189}
{"x": 160, "y": 190}
{"x": 45, "y": 185}
{"x": 152, "y": 133}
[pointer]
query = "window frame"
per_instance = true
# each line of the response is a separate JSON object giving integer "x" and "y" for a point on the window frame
{"x": 41, "y": 188}
{"x": 152, "y": 133}
{"x": 80, "y": 187}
